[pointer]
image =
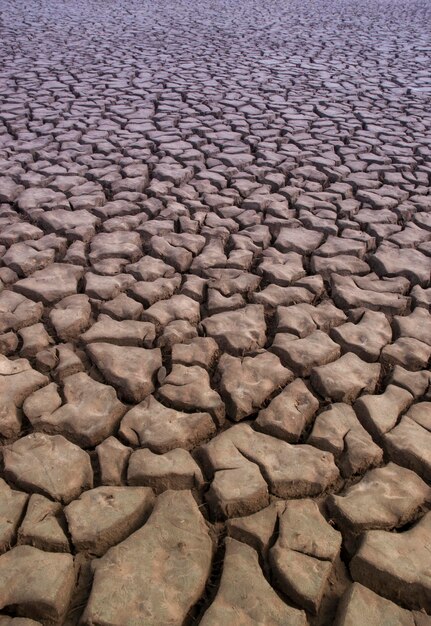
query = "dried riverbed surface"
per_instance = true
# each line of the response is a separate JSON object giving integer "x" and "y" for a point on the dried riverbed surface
{"x": 215, "y": 329}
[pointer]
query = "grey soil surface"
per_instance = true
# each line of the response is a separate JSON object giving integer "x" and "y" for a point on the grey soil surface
{"x": 215, "y": 328}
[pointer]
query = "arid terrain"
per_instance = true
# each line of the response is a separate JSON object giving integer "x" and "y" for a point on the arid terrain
{"x": 215, "y": 328}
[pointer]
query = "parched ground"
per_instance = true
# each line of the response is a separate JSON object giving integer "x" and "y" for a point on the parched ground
{"x": 215, "y": 329}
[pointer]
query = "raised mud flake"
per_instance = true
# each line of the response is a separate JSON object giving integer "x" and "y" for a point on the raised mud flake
{"x": 367, "y": 338}
{"x": 71, "y": 316}
{"x": 416, "y": 325}
{"x": 391, "y": 261}
{"x": 409, "y": 444}
{"x": 166, "y": 564}
{"x": 416, "y": 383}
{"x": 256, "y": 530}
{"x": 51, "y": 284}
{"x": 274, "y": 296}
{"x": 160, "y": 428}
{"x": 49, "y": 465}
{"x": 345, "y": 379}
{"x": 80, "y": 224}
{"x": 119, "y": 244}
{"x": 303, "y": 319}
{"x": 176, "y": 332}
{"x": 362, "y": 607}
{"x": 122, "y": 308}
{"x": 380, "y": 413}
{"x": 39, "y": 584}
{"x": 106, "y": 287}
{"x": 245, "y": 384}
{"x": 17, "y": 311}
{"x": 105, "y": 516}
{"x": 150, "y": 292}
{"x": 385, "y": 498}
{"x": 342, "y": 264}
{"x": 19, "y": 231}
{"x": 396, "y": 565}
{"x": 17, "y": 381}
{"x": 338, "y": 430}
{"x": 26, "y": 258}
{"x": 301, "y": 355}
{"x": 303, "y": 555}
{"x": 150, "y": 269}
{"x": 12, "y": 505}
{"x": 34, "y": 338}
{"x": 289, "y": 413}
{"x": 131, "y": 370}
{"x": 408, "y": 352}
{"x": 175, "y": 469}
{"x": 178, "y": 307}
{"x": 289, "y": 470}
{"x": 238, "y": 331}
{"x": 44, "y": 526}
{"x": 90, "y": 413}
{"x": 347, "y": 294}
{"x": 301, "y": 240}
{"x": 284, "y": 270}
{"x": 120, "y": 333}
{"x": 202, "y": 351}
{"x": 245, "y": 597}
{"x": 189, "y": 389}
{"x": 113, "y": 458}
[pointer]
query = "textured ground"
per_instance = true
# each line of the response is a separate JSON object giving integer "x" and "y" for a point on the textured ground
{"x": 215, "y": 337}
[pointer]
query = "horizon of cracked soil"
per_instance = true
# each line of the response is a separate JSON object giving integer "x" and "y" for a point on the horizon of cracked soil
{"x": 215, "y": 329}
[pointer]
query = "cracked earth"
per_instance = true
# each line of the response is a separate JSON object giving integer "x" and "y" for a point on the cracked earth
{"x": 215, "y": 328}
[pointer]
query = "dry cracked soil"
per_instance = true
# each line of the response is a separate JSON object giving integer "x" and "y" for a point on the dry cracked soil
{"x": 215, "y": 328}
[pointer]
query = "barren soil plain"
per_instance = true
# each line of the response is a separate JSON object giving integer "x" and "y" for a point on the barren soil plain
{"x": 215, "y": 328}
